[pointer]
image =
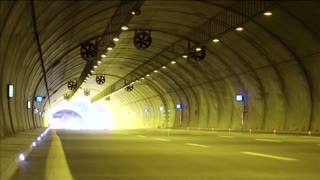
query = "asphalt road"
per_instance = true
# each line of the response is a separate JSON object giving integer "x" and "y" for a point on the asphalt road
{"x": 171, "y": 154}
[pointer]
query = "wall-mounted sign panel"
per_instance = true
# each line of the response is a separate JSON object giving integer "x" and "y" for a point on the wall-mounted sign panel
{"x": 38, "y": 98}
{"x": 28, "y": 104}
{"x": 10, "y": 91}
{"x": 239, "y": 97}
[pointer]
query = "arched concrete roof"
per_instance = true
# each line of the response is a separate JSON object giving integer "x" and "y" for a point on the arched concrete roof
{"x": 274, "y": 62}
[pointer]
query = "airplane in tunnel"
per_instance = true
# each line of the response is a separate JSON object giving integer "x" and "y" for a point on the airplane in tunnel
{"x": 150, "y": 89}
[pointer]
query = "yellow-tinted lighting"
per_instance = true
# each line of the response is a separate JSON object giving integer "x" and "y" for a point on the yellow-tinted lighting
{"x": 92, "y": 71}
{"x": 267, "y": 13}
{"x": 103, "y": 55}
{"x": 116, "y": 39}
{"x": 142, "y": 78}
{"x": 198, "y": 49}
{"x": 95, "y": 66}
{"x": 184, "y": 56}
{"x": 155, "y": 71}
{"x": 124, "y": 27}
{"x": 239, "y": 28}
{"x": 163, "y": 67}
{"x": 99, "y": 62}
{"x": 148, "y": 75}
{"x": 109, "y": 48}
{"x": 173, "y": 62}
{"x": 215, "y": 40}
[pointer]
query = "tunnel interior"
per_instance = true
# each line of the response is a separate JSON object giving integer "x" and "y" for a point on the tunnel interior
{"x": 160, "y": 64}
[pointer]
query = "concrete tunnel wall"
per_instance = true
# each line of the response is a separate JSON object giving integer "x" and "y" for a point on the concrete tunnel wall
{"x": 275, "y": 63}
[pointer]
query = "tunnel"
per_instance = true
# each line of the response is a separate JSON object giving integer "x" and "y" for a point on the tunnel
{"x": 152, "y": 68}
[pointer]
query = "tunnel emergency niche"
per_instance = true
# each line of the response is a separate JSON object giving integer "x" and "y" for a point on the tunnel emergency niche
{"x": 142, "y": 40}
{"x": 100, "y": 79}
{"x": 88, "y": 51}
{"x": 197, "y": 55}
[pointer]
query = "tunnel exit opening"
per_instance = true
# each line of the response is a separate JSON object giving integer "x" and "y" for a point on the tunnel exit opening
{"x": 80, "y": 114}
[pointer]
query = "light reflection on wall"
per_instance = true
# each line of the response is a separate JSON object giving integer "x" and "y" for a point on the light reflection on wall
{"x": 80, "y": 114}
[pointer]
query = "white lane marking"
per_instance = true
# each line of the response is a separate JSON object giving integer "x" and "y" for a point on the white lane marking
{"x": 226, "y": 136}
{"x": 56, "y": 161}
{"x": 160, "y": 139}
{"x": 268, "y": 140}
{"x": 198, "y": 145}
{"x": 140, "y": 136}
{"x": 270, "y": 156}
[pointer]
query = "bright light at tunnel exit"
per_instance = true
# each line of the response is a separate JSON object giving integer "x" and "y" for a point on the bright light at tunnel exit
{"x": 80, "y": 114}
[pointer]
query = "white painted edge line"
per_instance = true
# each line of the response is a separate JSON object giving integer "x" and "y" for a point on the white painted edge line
{"x": 198, "y": 145}
{"x": 160, "y": 139}
{"x": 268, "y": 140}
{"x": 226, "y": 136}
{"x": 140, "y": 136}
{"x": 270, "y": 156}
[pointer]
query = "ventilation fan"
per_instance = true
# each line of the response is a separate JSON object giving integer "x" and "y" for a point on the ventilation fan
{"x": 129, "y": 88}
{"x": 100, "y": 79}
{"x": 86, "y": 92}
{"x": 197, "y": 55}
{"x": 66, "y": 96}
{"x": 142, "y": 40}
{"x": 72, "y": 85}
{"x": 88, "y": 51}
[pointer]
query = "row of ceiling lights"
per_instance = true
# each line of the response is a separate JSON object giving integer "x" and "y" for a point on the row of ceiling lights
{"x": 109, "y": 48}
{"x": 125, "y": 27}
{"x": 216, "y": 40}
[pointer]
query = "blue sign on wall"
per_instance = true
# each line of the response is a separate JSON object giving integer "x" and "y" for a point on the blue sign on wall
{"x": 38, "y": 98}
{"x": 239, "y": 97}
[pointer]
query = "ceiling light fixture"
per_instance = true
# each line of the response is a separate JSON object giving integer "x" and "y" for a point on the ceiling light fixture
{"x": 198, "y": 49}
{"x": 136, "y": 12}
{"x": 155, "y": 71}
{"x": 103, "y": 55}
{"x": 92, "y": 71}
{"x": 163, "y": 67}
{"x": 124, "y": 27}
{"x": 173, "y": 62}
{"x": 267, "y": 13}
{"x": 99, "y": 62}
{"x": 95, "y": 66}
{"x": 116, "y": 39}
{"x": 148, "y": 75}
{"x": 215, "y": 40}
{"x": 184, "y": 56}
{"x": 239, "y": 28}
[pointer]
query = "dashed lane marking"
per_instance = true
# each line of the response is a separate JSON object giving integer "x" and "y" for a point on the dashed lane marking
{"x": 140, "y": 136}
{"x": 198, "y": 145}
{"x": 226, "y": 136}
{"x": 160, "y": 139}
{"x": 268, "y": 140}
{"x": 270, "y": 156}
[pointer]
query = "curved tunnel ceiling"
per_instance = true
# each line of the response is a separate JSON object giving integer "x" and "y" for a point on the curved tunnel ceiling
{"x": 273, "y": 62}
